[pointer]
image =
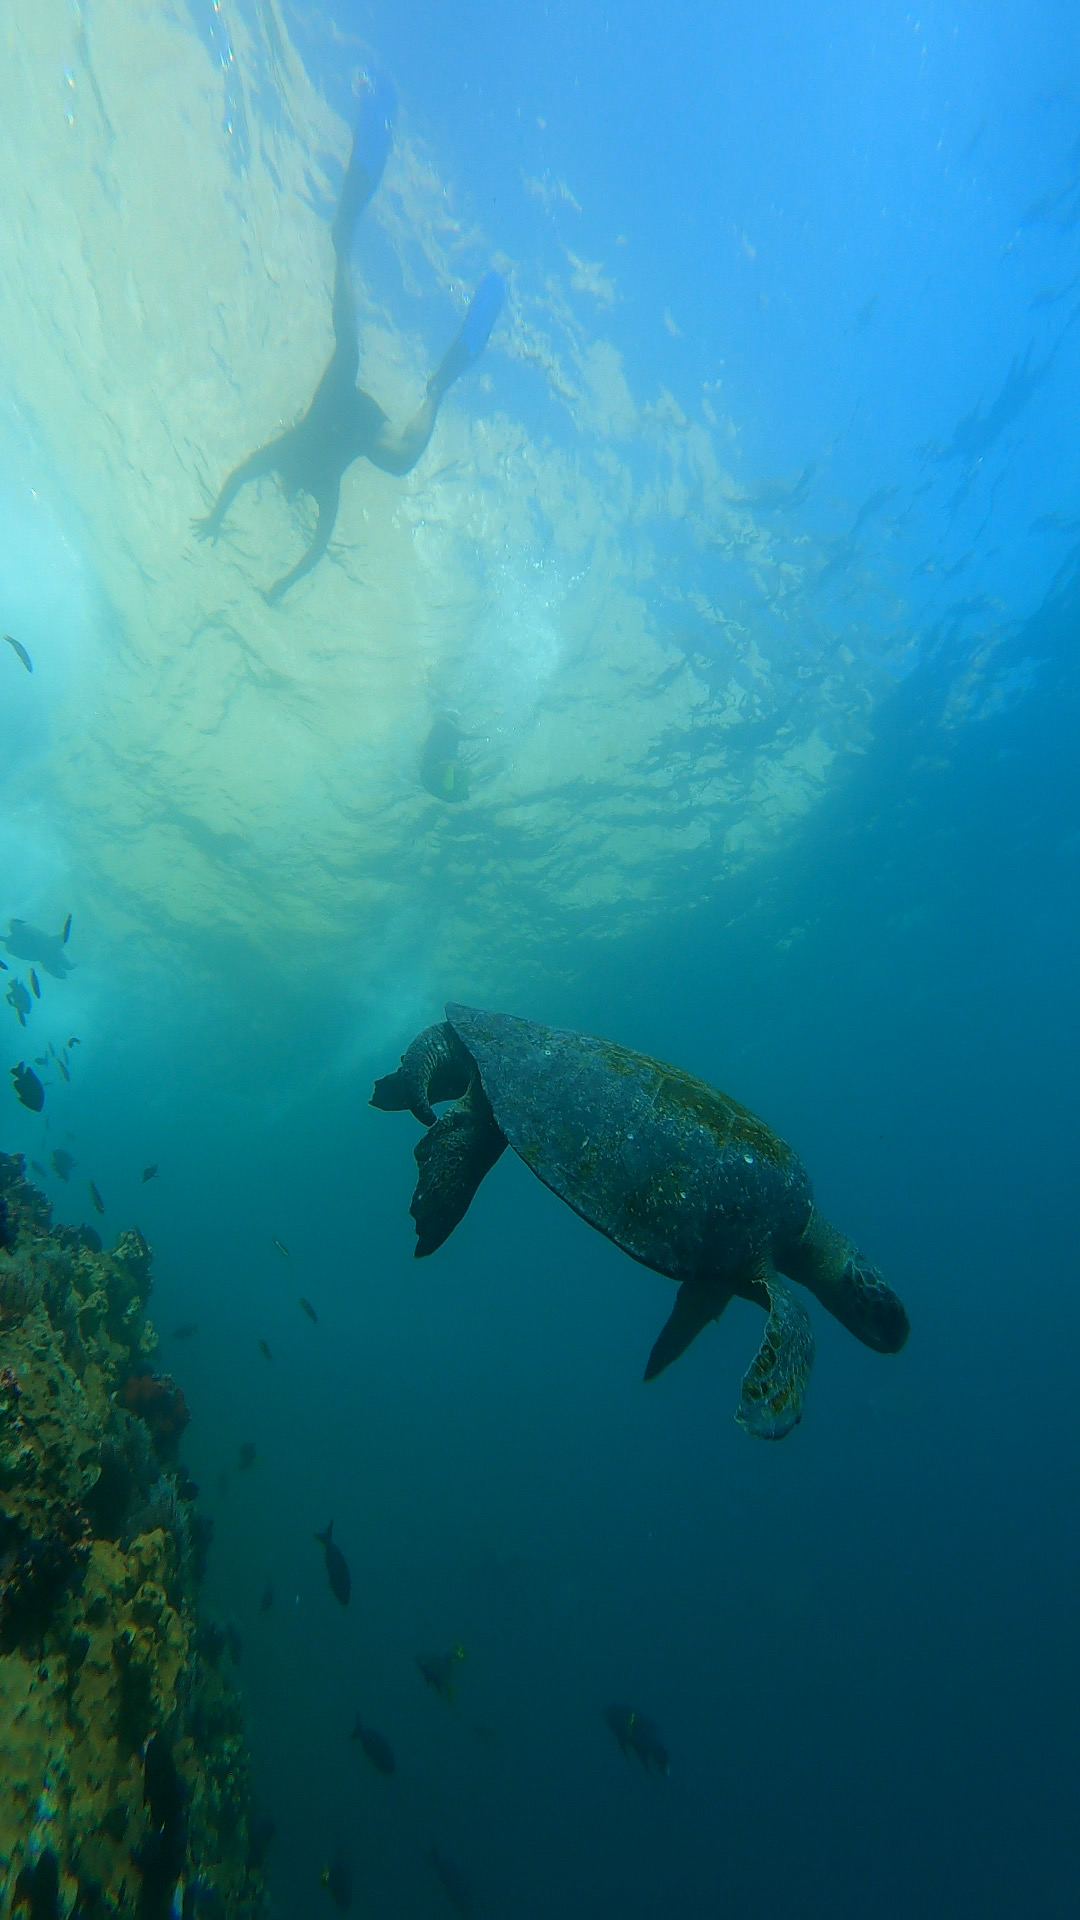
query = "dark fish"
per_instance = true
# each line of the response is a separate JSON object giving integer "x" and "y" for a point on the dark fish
{"x": 29, "y": 943}
{"x": 309, "y": 1310}
{"x": 21, "y": 651}
{"x": 4, "y": 964}
{"x": 41, "y": 1059}
{"x": 28, "y": 1087}
{"x": 378, "y": 1750}
{"x": 64, "y": 1071}
{"x": 66, "y": 932}
{"x": 453, "y": 1882}
{"x": 74, "y": 1041}
{"x": 36, "y": 984}
{"x": 96, "y": 1197}
{"x": 266, "y": 1598}
{"x": 185, "y": 1330}
{"x": 38, "y": 1168}
{"x": 337, "y": 1879}
{"x": 281, "y": 1248}
{"x": 264, "y": 1350}
{"x": 638, "y": 1736}
{"x": 63, "y": 1162}
{"x": 249, "y": 1453}
{"x": 438, "y": 1670}
{"x": 149, "y": 1172}
{"x": 336, "y": 1570}
{"x": 17, "y": 997}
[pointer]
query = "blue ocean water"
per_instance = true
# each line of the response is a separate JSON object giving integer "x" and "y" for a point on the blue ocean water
{"x": 748, "y": 556}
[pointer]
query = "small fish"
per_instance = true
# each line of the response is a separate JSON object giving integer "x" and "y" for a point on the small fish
{"x": 62, "y": 1069}
{"x": 264, "y": 1349}
{"x": 249, "y": 1453}
{"x": 186, "y": 1330}
{"x": 148, "y": 1173}
{"x": 67, "y": 930}
{"x": 21, "y": 651}
{"x": 378, "y": 1750}
{"x": 281, "y": 1248}
{"x": 4, "y": 964}
{"x": 36, "y": 984}
{"x": 309, "y": 1310}
{"x": 17, "y": 997}
{"x": 453, "y": 1882}
{"x": 96, "y": 1197}
{"x": 337, "y": 1879}
{"x": 38, "y": 1168}
{"x": 266, "y": 1598}
{"x": 337, "y": 1571}
{"x": 41, "y": 1059}
{"x": 63, "y": 1162}
{"x": 74, "y": 1041}
{"x": 438, "y": 1670}
{"x": 28, "y": 1087}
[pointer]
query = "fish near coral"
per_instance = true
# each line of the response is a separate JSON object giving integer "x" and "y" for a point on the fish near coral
{"x": 96, "y": 1197}
{"x": 63, "y": 1163}
{"x": 337, "y": 1571}
{"x": 28, "y": 1087}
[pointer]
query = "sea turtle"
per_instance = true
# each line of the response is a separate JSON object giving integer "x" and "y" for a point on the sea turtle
{"x": 676, "y": 1173}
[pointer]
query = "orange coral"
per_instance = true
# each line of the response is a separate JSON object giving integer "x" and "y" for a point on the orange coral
{"x": 158, "y": 1400}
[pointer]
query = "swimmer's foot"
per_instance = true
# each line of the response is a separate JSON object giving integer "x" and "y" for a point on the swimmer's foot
{"x": 371, "y": 144}
{"x": 473, "y": 337}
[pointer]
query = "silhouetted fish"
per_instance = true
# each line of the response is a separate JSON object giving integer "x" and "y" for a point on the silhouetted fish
{"x": 38, "y": 1168}
{"x": 29, "y": 943}
{"x": 63, "y": 1162}
{"x": 61, "y": 1068}
{"x": 96, "y": 1197}
{"x": 185, "y": 1330}
{"x": 453, "y": 1882}
{"x": 28, "y": 1087}
{"x": 337, "y": 1879}
{"x": 282, "y": 1249}
{"x": 66, "y": 932}
{"x": 36, "y": 984}
{"x": 438, "y": 1670}
{"x": 17, "y": 997}
{"x": 378, "y": 1750}
{"x": 149, "y": 1172}
{"x": 264, "y": 1350}
{"x": 337, "y": 1571}
{"x": 21, "y": 651}
{"x": 249, "y": 1453}
{"x": 309, "y": 1310}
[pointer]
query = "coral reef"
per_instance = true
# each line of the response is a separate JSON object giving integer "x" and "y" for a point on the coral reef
{"x": 124, "y": 1777}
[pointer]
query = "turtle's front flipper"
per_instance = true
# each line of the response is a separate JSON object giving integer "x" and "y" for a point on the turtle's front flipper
{"x": 453, "y": 1157}
{"x": 827, "y": 1262}
{"x": 696, "y": 1303}
{"x": 774, "y": 1383}
{"x": 435, "y": 1066}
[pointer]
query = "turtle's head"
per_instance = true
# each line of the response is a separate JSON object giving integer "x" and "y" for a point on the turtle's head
{"x": 827, "y": 1262}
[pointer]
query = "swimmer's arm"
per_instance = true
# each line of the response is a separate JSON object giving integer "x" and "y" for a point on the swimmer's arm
{"x": 261, "y": 462}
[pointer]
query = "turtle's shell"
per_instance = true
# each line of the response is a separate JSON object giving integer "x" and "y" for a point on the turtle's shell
{"x": 678, "y": 1175}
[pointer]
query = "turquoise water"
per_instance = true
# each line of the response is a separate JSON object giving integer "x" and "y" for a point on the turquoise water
{"x": 747, "y": 557}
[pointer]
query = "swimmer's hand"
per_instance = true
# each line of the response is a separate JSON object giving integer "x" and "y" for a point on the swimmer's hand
{"x": 207, "y": 527}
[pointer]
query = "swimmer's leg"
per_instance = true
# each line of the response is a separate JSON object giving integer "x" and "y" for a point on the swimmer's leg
{"x": 398, "y": 451}
{"x": 328, "y": 506}
{"x": 263, "y": 461}
{"x": 371, "y": 144}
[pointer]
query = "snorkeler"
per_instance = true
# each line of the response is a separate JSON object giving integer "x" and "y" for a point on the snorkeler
{"x": 343, "y": 423}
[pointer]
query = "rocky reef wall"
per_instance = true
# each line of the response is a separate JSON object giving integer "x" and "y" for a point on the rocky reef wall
{"x": 124, "y": 1774}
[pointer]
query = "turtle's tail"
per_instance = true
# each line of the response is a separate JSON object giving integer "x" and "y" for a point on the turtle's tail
{"x": 827, "y": 1262}
{"x": 453, "y": 1157}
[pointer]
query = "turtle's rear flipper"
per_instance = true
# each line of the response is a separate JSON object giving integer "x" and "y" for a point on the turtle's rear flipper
{"x": 827, "y": 1262}
{"x": 453, "y": 1157}
{"x": 774, "y": 1383}
{"x": 696, "y": 1303}
{"x": 435, "y": 1066}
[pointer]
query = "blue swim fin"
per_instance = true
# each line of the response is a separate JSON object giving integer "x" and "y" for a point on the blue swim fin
{"x": 371, "y": 144}
{"x": 475, "y": 331}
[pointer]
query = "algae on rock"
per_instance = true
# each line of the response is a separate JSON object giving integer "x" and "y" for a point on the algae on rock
{"x": 100, "y": 1550}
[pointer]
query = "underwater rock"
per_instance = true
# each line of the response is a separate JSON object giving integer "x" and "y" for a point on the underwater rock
{"x": 123, "y": 1766}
